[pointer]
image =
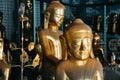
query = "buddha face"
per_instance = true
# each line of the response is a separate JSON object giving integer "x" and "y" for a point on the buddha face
{"x": 80, "y": 45}
{"x": 57, "y": 16}
{"x": 79, "y": 39}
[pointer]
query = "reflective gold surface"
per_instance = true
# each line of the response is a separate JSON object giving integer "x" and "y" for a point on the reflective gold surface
{"x": 1, "y": 49}
{"x": 50, "y": 39}
{"x": 78, "y": 39}
{"x": 81, "y": 64}
{"x": 54, "y": 14}
{"x": 4, "y": 66}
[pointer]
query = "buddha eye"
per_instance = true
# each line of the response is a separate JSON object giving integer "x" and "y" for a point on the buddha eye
{"x": 76, "y": 41}
{"x": 86, "y": 40}
{"x": 57, "y": 16}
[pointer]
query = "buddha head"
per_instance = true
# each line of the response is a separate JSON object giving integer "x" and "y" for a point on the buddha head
{"x": 79, "y": 39}
{"x": 55, "y": 13}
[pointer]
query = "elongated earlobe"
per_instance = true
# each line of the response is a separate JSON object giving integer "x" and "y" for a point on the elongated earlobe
{"x": 91, "y": 54}
{"x": 46, "y": 20}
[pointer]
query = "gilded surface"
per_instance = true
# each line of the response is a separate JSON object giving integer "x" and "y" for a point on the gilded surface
{"x": 81, "y": 65}
{"x": 4, "y": 66}
{"x": 53, "y": 51}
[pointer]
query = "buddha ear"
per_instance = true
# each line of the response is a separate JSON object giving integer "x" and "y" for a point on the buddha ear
{"x": 46, "y": 19}
{"x": 91, "y": 54}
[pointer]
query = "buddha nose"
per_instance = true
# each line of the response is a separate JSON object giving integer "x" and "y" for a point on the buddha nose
{"x": 81, "y": 46}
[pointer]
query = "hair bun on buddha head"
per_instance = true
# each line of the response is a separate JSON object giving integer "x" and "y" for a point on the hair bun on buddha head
{"x": 78, "y": 25}
{"x": 55, "y": 4}
{"x": 77, "y": 20}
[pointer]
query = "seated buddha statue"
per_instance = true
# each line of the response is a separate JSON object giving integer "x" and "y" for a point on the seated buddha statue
{"x": 81, "y": 65}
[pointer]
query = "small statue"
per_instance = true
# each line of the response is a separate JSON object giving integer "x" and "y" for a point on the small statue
{"x": 98, "y": 51}
{"x": 99, "y": 20}
{"x": 98, "y": 27}
{"x": 51, "y": 38}
{"x": 114, "y": 23}
{"x": 81, "y": 64}
{"x": 113, "y": 58}
{"x": 112, "y": 27}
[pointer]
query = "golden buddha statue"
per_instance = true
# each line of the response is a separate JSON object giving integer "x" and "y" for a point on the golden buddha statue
{"x": 4, "y": 66}
{"x": 5, "y": 60}
{"x": 81, "y": 65}
{"x": 50, "y": 39}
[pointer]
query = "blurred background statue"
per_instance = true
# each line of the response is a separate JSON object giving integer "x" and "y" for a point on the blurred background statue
{"x": 98, "y": 51}
{"x": 81, "y": 65}
{"x": 113, "y": 58}
{"x": 5, "y": 57}
{"x": 50, "y": 39}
